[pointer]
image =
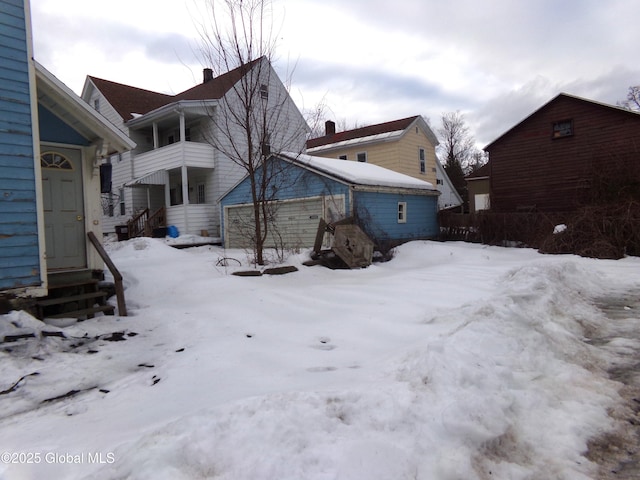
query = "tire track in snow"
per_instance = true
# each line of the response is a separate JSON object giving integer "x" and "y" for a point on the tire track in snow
{"x": 618, "y": 451}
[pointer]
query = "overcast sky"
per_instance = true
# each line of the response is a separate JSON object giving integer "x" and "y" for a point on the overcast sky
{"x": 370, "y": 61}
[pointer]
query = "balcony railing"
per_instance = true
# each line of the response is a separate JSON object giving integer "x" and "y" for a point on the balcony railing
{"x": 191, "y": 154}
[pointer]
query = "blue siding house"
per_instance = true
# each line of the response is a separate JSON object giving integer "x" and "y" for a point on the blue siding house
{"x": 51, "y": 147}
{"x": 390, "y": 207}
{"x": 21, "y": 260}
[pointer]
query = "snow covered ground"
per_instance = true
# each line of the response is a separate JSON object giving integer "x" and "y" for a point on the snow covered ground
{"x": 451, "y": 361}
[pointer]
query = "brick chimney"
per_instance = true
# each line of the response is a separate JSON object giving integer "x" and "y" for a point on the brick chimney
{"x": 329, "y": 127}
{"x": 207, "y": 74}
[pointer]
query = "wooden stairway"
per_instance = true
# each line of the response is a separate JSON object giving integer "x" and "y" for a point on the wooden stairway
{"x": 80, "y": 299}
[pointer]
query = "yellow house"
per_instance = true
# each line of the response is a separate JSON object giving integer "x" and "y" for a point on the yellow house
{"x": 405, "y": 146}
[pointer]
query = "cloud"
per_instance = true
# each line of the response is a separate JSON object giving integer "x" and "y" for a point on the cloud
{"x": 108, "y": 48}
{"x": 366, "y": 94}
{"x": 497, "y": 115}
{"x": 371, "y": 60}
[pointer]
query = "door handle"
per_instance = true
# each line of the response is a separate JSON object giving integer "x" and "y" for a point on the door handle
{"x": 79, "y": 218}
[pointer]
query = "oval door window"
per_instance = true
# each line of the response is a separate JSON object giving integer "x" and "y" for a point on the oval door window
{"x": 55, "y": 160}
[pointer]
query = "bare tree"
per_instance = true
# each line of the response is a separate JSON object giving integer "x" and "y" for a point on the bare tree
{"x": 457, "y": 149}
{"x": 253, "y": 121}
{"x": 633, "y": 99}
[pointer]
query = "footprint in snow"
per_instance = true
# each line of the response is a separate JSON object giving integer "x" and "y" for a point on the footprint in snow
{"x": 324, "y": 344}
{"x": 321, "y": 369}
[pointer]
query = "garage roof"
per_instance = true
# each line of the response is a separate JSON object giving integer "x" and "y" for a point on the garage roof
{"x": 358, "y": 173}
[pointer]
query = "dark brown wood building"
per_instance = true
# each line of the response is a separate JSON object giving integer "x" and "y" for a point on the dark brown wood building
{"x": 551, "y": 161}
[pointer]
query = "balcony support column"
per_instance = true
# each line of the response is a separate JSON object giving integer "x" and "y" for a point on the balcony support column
{"x": 185, "y": 173}
{"x": 183, "y": 127}
{"x": 156, "y": 143}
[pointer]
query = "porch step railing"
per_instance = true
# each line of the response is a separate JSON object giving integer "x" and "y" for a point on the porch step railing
{"x": 136, "y": 226}
{"x": 117, "y": 276}
{"x": 143, "y": 224}
{"x": 156, "y": 220}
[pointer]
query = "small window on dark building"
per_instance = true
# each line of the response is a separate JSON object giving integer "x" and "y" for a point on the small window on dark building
{"x": 563, "y": 128}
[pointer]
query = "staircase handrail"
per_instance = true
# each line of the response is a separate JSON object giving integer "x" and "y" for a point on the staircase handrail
{"x": 117, "y": 276}
{"x": 155, "y": 220}
{"x": 136, "y": 225}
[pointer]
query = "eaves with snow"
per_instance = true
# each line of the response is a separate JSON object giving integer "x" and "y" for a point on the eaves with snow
{"x": 358, "y": 173}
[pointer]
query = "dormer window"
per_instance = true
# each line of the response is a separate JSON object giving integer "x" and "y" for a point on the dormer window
{"x": 563, "y": 128}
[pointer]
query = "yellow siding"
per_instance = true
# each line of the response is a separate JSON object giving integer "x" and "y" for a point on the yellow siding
{"x": 401, "y": 155}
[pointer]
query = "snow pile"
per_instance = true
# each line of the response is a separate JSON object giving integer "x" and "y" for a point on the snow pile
{"x": 489, "y": 397}
{"x": 452, "y": 361}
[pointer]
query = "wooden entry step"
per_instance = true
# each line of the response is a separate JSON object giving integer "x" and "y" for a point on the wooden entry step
{"x": 74, "y": 299}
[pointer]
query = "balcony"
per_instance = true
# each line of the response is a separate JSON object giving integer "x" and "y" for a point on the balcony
{"x": 172, "y": 156}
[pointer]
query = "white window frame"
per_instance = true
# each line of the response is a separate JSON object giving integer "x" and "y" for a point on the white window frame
{"x": 201, "y": 193}
{"x": 482, "y": 201}
{"x": 121, "y": 203}
{"x": 422, "y": 156}
{"x": 402, "y": 212}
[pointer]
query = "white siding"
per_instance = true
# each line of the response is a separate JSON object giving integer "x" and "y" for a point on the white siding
{"x": 173, "y": 156}
{"x": 107, "y": 110}
{"x": 192, "y": 219}
{"x": 295, "y": 225}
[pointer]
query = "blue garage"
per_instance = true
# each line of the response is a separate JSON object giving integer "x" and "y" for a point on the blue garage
{"x": 390, "y": 207}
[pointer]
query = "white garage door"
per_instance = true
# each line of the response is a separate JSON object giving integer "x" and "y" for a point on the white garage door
{"x": 294, "y": 225}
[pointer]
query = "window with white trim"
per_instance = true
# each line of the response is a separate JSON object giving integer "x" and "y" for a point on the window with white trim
{"x": 122, "y": 205}
{"x": 402, "y": 212}
{"x": 423, "y": 160}
{"x": 201, "y": 193}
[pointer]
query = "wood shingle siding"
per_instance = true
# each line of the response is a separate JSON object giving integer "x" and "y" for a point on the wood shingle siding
{"x": 533, "y": 171}
{"x": 19, "y": 247}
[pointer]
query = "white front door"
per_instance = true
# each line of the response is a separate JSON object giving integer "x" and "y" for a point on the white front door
{"x": 63, "y": 208}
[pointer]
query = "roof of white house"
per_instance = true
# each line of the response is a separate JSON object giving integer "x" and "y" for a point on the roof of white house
{"x": 64, "y": 103}
{"x": 359, "y": 173}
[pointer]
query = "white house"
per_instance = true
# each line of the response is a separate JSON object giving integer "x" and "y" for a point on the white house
{"x": 178, "y": 170}
{"x": 449, "y": 196}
